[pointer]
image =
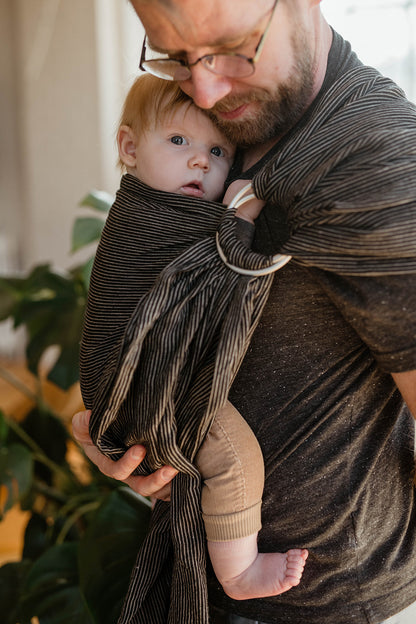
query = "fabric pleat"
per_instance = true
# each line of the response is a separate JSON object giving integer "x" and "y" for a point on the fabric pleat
{"x": 347, "y": 180}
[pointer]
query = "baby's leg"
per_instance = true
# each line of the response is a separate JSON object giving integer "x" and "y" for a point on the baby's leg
{"x": 231, "y": 464}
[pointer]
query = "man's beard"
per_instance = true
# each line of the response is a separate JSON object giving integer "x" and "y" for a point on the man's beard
{"x": 278, "y": 111}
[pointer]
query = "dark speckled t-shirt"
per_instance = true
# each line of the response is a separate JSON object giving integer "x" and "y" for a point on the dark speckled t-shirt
{"x": 337, "y": 440}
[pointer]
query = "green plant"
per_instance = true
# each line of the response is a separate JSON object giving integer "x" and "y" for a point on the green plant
{"x": 51, "y": 303}
{"x": 83, "y": 532}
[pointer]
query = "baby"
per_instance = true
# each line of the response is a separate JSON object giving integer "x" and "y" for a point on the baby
{"x": 166, "y": 143}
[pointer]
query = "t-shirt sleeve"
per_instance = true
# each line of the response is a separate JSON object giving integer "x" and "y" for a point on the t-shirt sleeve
{"x": 382, "y": 310}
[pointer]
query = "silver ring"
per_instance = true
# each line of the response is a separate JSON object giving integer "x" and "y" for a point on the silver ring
{"x": 279, "y": 260}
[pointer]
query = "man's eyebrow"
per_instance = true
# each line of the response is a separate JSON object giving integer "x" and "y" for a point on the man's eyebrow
{"x": 220, "y": 42}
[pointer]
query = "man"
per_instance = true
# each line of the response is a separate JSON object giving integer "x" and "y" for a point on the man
{"x": 337, "y": 342}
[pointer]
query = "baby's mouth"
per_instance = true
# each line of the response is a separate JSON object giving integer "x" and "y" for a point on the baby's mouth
{"x": 193, "y": 189}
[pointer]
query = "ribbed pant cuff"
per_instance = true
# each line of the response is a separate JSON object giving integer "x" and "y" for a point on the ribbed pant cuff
{"x": 233, "y": 526}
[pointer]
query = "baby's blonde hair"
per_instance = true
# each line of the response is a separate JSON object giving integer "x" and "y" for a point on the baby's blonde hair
{"x": 150, "y": 99}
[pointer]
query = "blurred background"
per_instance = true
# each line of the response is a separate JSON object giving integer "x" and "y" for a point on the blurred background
{"x": 65, "y": 67}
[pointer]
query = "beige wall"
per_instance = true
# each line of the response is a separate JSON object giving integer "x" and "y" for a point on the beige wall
{"x": 10, "y": 204}
{"x": 65, "y": 67}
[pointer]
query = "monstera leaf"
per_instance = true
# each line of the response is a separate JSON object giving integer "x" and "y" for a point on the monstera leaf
{"x": 108, "y": 550}
{"x": 84, "y": 530}
{"x": 16, "y": 473}
{"x": 51, "y": 591}
{"x": 81, "y": 582}
{"x": 12, "y": 579}
{"x": 88, "y": 230}
{"x": 51, "y": 303}
{"x": 51, "y": 306}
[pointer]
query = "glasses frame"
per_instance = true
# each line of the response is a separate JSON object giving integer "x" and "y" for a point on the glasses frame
{"x": 250, "y": 60}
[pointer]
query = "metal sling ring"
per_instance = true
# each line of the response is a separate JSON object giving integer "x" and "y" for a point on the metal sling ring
{"x": 279, "y": 260}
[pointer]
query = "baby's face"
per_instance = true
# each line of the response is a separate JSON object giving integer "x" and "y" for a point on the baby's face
{"x": 185, "y": 154}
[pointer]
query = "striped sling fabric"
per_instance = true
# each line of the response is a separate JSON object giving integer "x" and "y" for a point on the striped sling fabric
{"x": 347, "y": 180}
{"x": 157, "y": 360}
{"x": 156, "y": 365}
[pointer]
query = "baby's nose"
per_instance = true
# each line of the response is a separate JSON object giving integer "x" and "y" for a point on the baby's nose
{"x": 199, "y": 160}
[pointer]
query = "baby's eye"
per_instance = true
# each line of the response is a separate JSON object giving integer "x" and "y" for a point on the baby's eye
{"x": 217, "y": 151}
{"x": 178, "y": 140}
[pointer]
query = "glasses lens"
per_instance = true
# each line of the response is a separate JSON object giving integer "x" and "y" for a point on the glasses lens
{"x": 168, "y": 69}
{"x": 229, "y": 65}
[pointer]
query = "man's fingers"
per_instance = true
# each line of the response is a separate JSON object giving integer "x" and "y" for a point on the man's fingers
{"x": 163, "y": 494}
{"x": 120, "y": 469}
{"x": 80, "y": 423}
{"x": 156, "y": 484}
{"x": 123, "y": 467}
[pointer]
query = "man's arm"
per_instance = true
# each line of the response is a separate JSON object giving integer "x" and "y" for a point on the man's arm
{"x": 406, "y": 383}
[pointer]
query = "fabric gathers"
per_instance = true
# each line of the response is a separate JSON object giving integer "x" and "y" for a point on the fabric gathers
{"x": 157, "y": 369}
{"x": 345, "y": 186}
{"x": 168, "y": 374}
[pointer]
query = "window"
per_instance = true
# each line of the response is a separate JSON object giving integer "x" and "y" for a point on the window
{"x": 382, "y": 33}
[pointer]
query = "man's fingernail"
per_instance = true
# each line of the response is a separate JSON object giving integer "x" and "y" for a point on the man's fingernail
{"x": 137, "y": 454}
{"x": 168, "y": 474}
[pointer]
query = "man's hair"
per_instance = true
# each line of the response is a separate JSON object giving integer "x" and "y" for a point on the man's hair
{"x": 149, "y": 100}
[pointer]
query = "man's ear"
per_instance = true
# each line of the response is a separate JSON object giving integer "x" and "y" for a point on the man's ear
{"x": 126, "y": 142}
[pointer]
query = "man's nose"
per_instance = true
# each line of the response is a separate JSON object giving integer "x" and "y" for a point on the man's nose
{"x": 206, "y": 88}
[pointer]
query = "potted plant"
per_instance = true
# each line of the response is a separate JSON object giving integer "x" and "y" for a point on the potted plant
{"x": 84, "y": 529}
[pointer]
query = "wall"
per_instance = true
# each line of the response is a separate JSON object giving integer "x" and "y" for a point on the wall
{"x": 64, "y": 73}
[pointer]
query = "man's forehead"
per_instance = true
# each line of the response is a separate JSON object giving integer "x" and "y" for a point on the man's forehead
{"x": 185, "y": 24}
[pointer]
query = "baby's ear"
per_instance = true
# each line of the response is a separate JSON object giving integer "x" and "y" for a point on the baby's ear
{"x": 126, "y": 142}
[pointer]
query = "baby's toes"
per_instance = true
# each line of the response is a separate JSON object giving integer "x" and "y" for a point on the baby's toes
{"x": 295, "y": 563}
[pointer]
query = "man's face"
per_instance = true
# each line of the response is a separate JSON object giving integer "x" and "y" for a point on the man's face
{"x": 248, "y": 110}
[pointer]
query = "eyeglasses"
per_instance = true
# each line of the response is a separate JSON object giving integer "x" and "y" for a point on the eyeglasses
{"x": 228, "y": 64}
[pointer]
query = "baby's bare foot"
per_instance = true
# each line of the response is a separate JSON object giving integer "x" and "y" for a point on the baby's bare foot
{"x": 270, "y": 574}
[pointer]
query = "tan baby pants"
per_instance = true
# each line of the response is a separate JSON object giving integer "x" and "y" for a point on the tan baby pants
{"x": 231, "y": 464}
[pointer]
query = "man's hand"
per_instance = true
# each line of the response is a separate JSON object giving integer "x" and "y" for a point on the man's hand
{"x": 156, "y": 485}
